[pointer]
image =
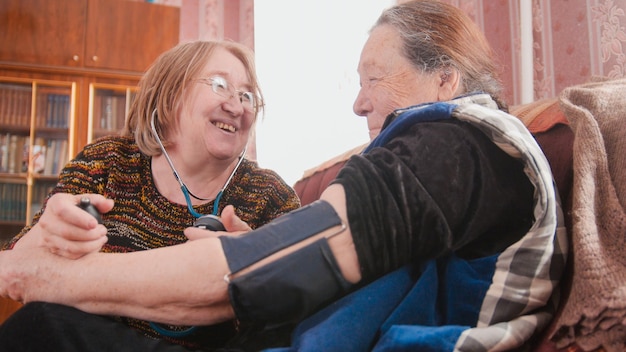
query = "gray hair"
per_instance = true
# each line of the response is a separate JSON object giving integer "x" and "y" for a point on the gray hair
{"x": 437, "y": 36}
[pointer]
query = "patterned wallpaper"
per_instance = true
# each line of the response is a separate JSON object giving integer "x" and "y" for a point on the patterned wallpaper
{"x": 216, "y": 19}
{"x": 573, "y": 40}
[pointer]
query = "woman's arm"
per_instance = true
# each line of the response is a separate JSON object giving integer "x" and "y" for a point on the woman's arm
{"x": 341, "y": 244}
{"x": 182, "y": 284}
{"x": 178, "y": 284}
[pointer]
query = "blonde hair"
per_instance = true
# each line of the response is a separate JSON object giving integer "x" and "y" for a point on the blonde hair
{"x": 162, "y": 87}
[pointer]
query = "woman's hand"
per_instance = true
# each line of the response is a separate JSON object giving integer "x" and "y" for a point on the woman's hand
{"x": 67, "y": 230}
{"x": 232, "y": 223}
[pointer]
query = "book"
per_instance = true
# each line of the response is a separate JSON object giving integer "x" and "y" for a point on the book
{"x": 25, "y": 147}
{"x": 4, "y": 152}
{"x": 39, "y": 155}
{"x": 12, "y": 159}
{"x": 49, "y": 158}
{"x": 107, "y": 112}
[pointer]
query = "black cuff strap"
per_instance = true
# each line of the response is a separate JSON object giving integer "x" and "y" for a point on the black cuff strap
{"x": 289, "y": 289}
{"x": 285, "y": 231}
{"x": 294, "y": 286}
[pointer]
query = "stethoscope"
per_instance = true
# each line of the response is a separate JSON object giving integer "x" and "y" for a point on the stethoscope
{"x": 157, "y": 327}
{"x": 183, "y": 187}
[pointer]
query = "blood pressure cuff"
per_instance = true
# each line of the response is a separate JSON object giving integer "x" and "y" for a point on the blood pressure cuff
{"x": 294, "y": 286}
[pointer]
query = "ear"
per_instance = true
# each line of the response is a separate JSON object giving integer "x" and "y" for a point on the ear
{"x": 449, "y": 84}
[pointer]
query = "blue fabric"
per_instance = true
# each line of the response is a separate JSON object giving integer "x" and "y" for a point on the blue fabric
{"x": 410, "y": 116}
{"x": 419, "y": 338}
{"x": 449, "y": 291}
{"x": 444, "y": 302}
{"x": 352, "y": 323}
{"x": 399, "y": 312}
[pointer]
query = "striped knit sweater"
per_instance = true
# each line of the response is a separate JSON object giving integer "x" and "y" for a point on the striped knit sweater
{"x": 143, "y": 219}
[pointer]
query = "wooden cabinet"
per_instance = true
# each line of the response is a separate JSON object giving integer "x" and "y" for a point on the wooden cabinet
{"x": 43, "y": 32}
{"x": 99, "y": 34}
{"x": 128, "y": 37}
{"x": 79, "y": 54}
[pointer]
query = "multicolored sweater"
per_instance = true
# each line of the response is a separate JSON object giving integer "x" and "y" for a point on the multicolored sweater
{"x": 143, "y": 219}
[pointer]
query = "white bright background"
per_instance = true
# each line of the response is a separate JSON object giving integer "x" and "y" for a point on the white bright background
{"x": 307, "y": 54}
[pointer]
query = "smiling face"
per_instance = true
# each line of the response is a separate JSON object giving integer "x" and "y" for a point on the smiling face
{"x": 389, "y": 81}
{"x": 212, "y": 124}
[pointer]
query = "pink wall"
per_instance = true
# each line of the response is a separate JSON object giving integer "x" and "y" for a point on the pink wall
{"x": 214, "y": 19}
{"x": 572, "y": 41}
{"x": 217, "y": 19}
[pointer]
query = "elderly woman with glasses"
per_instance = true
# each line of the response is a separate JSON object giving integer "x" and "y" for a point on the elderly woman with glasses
{"x": 180, "y": 157}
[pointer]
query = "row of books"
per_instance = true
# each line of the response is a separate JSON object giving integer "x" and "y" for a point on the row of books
{"x": 57, "y": 107}
{"x": 111, "y": 111}
{"x": 13, "y": 202}
{"x": 13, "y": 199}
{"x": 48, "y": 156}
{"x": 53, "y": 110}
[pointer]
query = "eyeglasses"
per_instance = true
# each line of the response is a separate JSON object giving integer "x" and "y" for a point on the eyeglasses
{"x": 221, "y": 87}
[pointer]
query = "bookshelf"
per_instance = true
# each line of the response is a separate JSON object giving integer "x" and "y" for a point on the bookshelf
{"x": 108, "y": 108}
{"x": 53, "y": 54}
{"x": 59, "y": 62}
{"x": 36, "y": 119}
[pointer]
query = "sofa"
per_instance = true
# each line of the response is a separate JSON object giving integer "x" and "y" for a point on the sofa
{"x": 583, "y": 135}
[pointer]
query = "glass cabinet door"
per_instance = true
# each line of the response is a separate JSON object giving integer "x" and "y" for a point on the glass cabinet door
{"x": 36, "y": 130}
{"x": 108, "y": 107}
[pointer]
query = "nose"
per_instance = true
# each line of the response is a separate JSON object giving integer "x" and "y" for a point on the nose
{"x": 233, "y": 104}
{"x": 361, "y": 104}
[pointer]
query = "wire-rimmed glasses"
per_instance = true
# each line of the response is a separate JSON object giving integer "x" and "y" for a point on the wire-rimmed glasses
{"x": 221, "y": 87}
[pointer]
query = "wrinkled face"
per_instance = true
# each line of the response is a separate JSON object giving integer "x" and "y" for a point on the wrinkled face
{"x": 216, "y": 118}
{"x": 388, "y": 80}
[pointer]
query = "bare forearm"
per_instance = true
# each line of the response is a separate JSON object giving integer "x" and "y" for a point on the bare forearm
{"x": 342, "y": 244}
{"x": 179, "y": 285}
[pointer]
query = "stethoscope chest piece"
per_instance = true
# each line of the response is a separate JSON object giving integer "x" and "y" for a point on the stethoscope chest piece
{"x": 209, "y": 222}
